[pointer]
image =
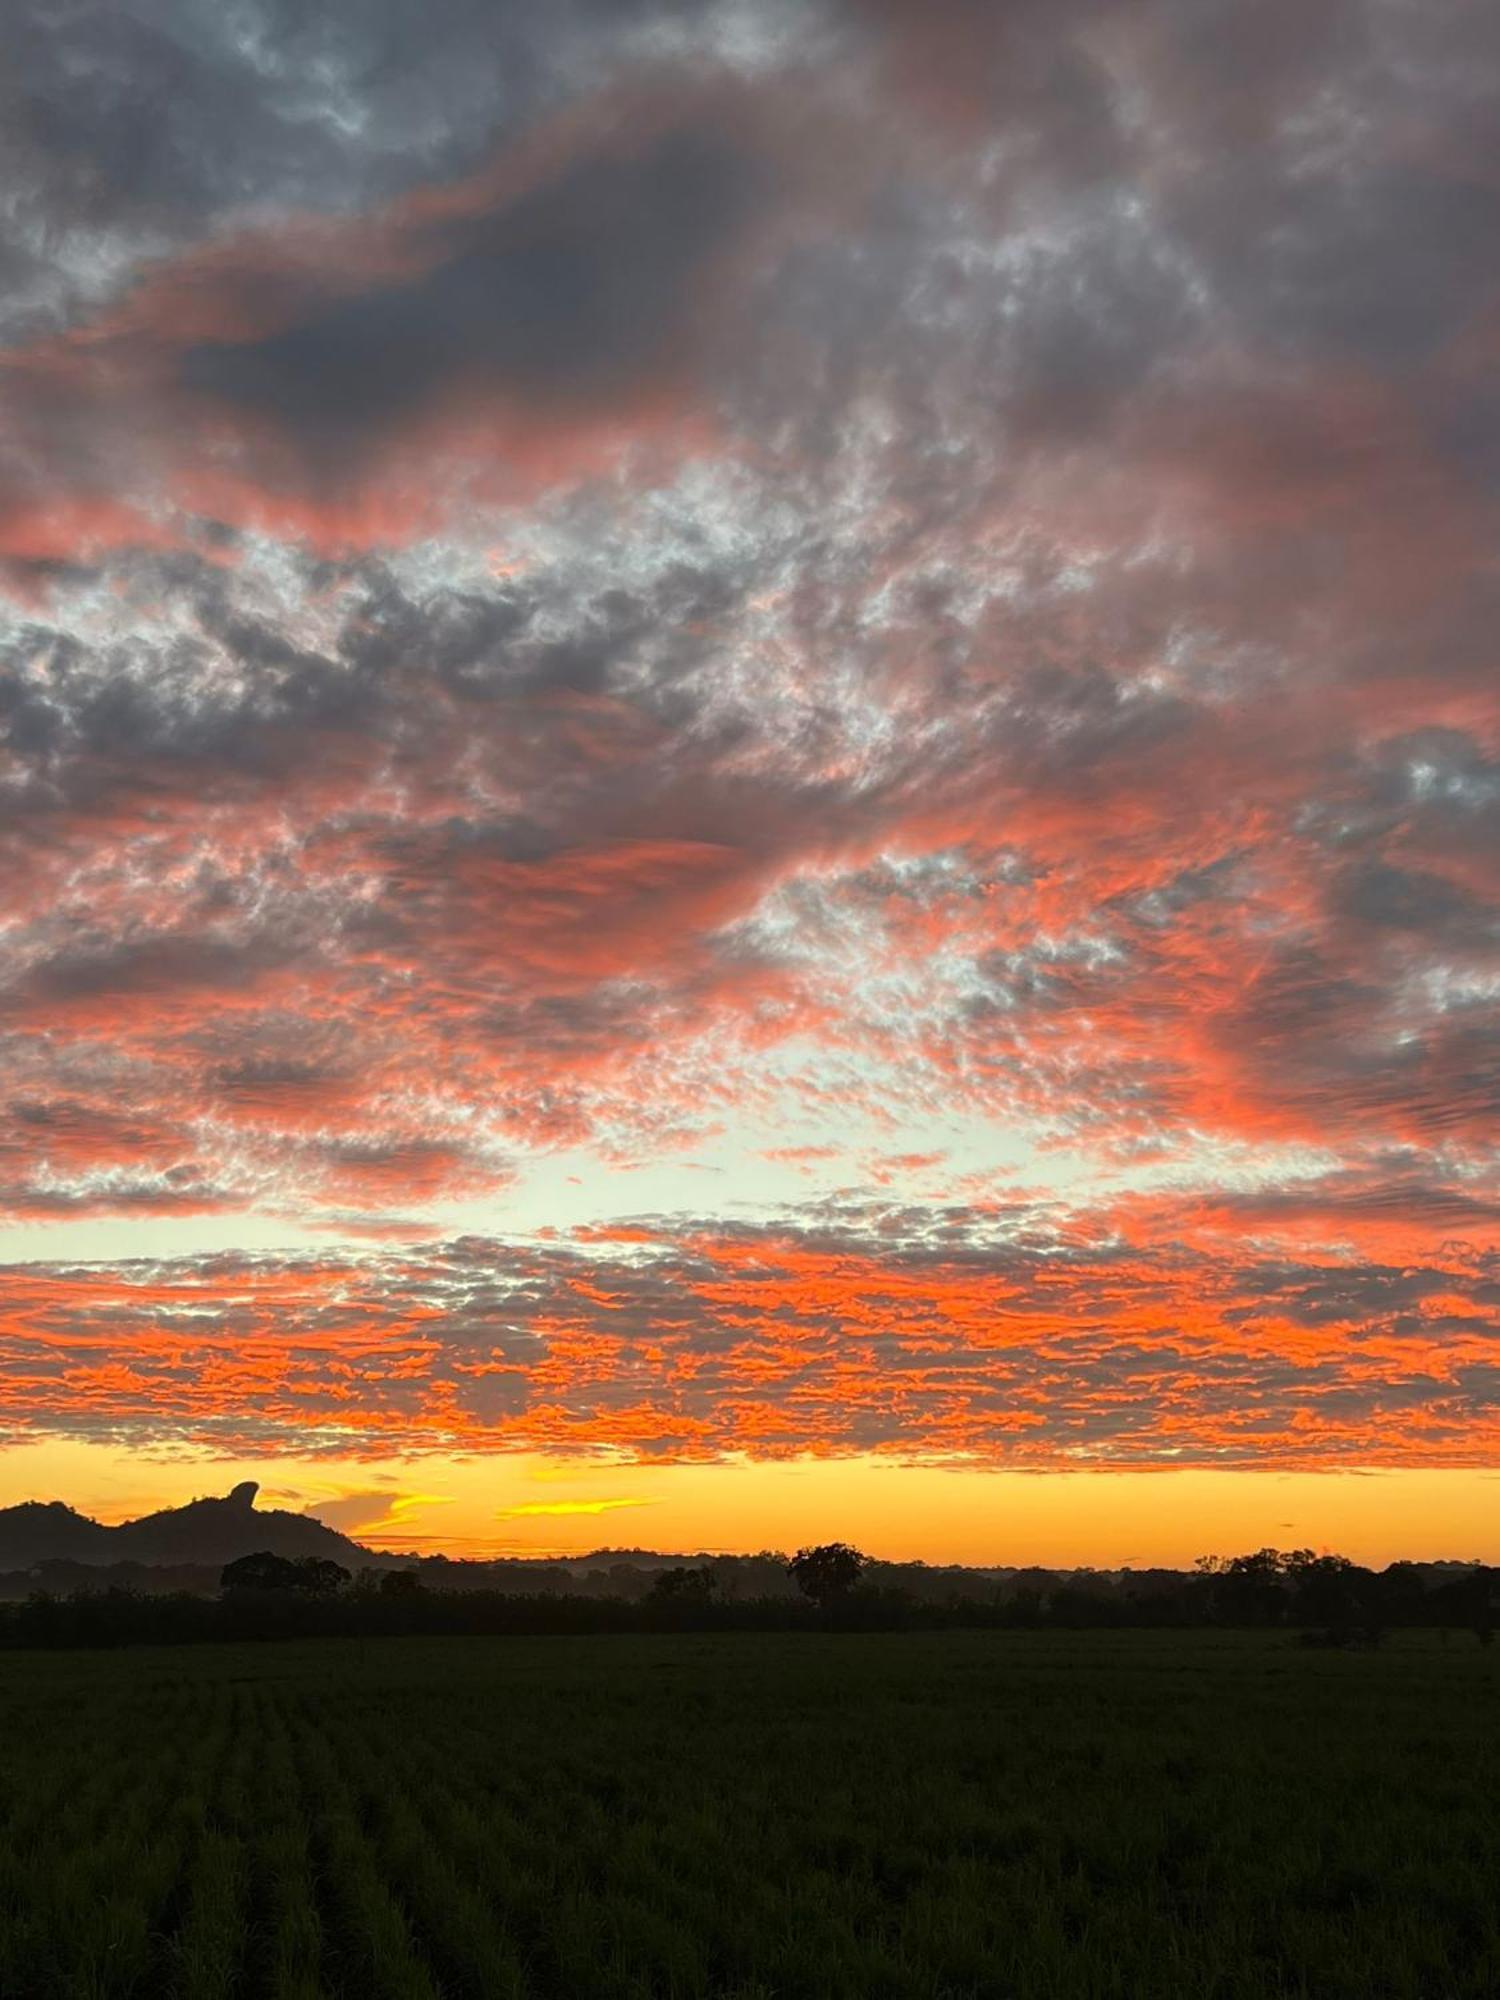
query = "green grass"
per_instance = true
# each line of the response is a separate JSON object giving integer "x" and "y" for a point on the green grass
{"x": 1054, "y": 1816}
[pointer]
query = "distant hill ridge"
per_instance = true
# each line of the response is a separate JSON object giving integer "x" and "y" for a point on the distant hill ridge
{"x": 212, "y": 1531}
{"x": 49, "y": 1545}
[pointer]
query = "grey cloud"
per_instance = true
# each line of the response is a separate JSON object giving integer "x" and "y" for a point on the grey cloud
{"x": 1159, "y": 907}
{"x": 148, "y": 663}
{"x": 1435, "y": 771}
{"x": 1311, "y": 227}
{"x": 1386, "y": 270}
{"x": 571, "y": 291}
{"x": 1068, "y": 721}
{"x": 269, "y": 1080}
{"x": 165, "y": 962}
{"x": 137, "y": 126}
{"x": 1416, "y": 902}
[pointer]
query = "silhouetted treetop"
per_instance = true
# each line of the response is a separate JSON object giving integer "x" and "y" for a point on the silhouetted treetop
{"x": 684, "y": 1584}
{"x": 828, "y": 1571}
{"x": 315, "y": 1575}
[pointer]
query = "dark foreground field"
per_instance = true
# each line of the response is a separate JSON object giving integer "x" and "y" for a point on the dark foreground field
{"x": 1062, "y": 1815}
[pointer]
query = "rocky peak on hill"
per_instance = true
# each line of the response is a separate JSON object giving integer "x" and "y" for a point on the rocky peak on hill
{"x": 211, "y": 1532}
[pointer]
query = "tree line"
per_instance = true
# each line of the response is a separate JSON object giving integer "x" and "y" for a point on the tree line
{"x": 1325, "y": 1598}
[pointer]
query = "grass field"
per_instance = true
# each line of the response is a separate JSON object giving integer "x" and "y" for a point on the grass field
{"x": 962, "y": 1814}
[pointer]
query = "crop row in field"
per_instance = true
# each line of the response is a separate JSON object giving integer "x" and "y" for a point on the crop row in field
{"x": 938, "y": 1815}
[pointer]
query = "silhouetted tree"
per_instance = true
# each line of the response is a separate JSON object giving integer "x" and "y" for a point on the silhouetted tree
{"x": 1481, "y": 1602}
{"x": 317, "y": 1576}
{"x": 827, "y": 1572}
{"x": 684, "y": 1585}
{"x": 1399, "y": 1594}
{"x": 1325, "y": 1589}
{"x": 1247, "y": 1590}
{"x": 401, "y": 1583}
{"x": 262, "y": 1571}
{"x": 320, "y": 1576}
{"x": 265, "y": 1596}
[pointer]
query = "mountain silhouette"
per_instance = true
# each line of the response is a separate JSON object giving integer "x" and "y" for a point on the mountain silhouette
{"x": 41, "y": 1531}
{"x": 212, "y": 1532}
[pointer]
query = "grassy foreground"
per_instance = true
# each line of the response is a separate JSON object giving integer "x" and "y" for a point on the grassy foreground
{"x": 959, "y": 1814}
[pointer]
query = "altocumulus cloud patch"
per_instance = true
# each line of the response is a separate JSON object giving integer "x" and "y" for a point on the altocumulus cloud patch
{"x": 882, "y": 618}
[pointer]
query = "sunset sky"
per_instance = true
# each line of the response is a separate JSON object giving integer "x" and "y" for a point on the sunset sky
{"x": 750, "y": 770}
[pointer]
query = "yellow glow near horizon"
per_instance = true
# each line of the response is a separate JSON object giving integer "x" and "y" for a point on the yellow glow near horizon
{"x": 902, "y": 1512}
